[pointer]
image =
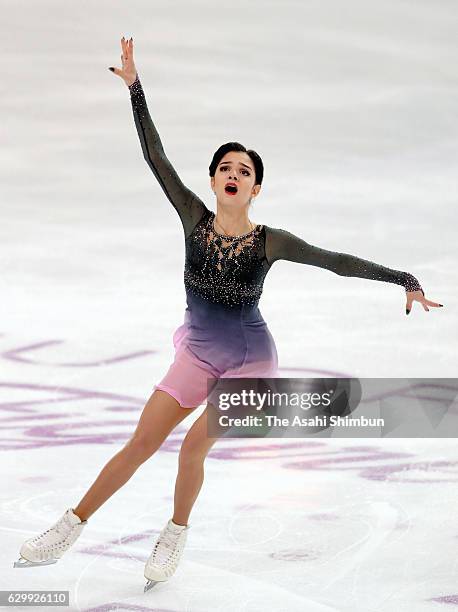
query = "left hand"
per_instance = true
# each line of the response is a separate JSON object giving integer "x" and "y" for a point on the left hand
{"x": 419, "y": 296}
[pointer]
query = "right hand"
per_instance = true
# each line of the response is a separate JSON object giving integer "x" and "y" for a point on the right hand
{"x": 128, "y": 72}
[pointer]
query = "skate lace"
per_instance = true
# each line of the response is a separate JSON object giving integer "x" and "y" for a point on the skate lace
{"x": 56, "y": 530}
{"x": 166, "y": 545}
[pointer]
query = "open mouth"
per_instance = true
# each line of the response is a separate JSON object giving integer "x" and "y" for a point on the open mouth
{"x": 231, "y": 189}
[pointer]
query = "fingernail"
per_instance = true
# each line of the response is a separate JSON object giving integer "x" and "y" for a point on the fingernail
{"x": 111, "y": 68}
{"x": 407, "y": 311}
{"x": 440, "y": 304}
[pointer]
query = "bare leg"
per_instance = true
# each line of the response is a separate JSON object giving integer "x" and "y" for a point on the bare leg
{"x": 190, "y": 477}
{"x": 160, "y": 415}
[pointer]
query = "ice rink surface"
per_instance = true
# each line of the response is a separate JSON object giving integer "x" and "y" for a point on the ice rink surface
{"x": 353, "y": 108}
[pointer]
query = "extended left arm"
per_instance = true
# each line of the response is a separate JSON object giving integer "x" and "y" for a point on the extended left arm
{"x": 281, "y": 244}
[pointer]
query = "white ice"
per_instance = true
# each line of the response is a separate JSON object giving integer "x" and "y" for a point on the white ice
{"x": 352, "y": 106}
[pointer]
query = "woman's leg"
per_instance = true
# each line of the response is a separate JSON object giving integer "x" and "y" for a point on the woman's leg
{"x": 160, "y": 415}
{"x": 190, "y": 477}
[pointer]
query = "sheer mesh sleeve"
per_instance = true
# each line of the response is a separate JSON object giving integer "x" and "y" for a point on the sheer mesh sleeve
{"x": 281, "y": 244}
{"x": 189, "y": 207}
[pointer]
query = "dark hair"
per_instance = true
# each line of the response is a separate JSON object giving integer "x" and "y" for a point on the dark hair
{"x": 236, "y": 146}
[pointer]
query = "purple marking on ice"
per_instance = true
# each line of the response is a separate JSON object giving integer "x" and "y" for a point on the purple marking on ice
{"x": 236, "y": 452}
{"x": 114, "y": 554}
{"x": 81, "y": 393}
{"x": 53, "y": 430}
{"x": 338, "y": 457}
{"x": 137, "y": 537}
{"x": 309, "y": 455}
{"x": 47, "y": 435}
{"x": 39, "y": 417}
{"x": 384, "y": 472}
{"x": 375, "y": 472}
{"x": 447, "y": 599}
{"x": 122, "y": 409}
{"x": 16, "y": 406}
{"x": 14, "y": 355}
{"x": 338, "y": 460}
{"x": 249, "y": 507}
{"x": 111, "y": 548}
{"x": 53, "y": 434}
{"x": 19, "y": 406}
{"x": 376, "y": 456}
{"x": 359, "y": 449}
{"x": 21, "y": 445}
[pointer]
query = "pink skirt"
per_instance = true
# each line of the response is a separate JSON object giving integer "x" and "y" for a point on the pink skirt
{"x": 189, "y": 379}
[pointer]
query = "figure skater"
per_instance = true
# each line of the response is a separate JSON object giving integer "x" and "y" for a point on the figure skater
{"x": 223, "y": 333}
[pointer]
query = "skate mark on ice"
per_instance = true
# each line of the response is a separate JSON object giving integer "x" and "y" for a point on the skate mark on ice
{"x": 324, "y": 516}
{"x": 120, "y": 606}
{"x": 296, "y": 554}
{"x": 338, "y": 460}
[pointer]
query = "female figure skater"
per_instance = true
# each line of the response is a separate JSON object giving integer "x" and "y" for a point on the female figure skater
{"x": 223, "y": 334}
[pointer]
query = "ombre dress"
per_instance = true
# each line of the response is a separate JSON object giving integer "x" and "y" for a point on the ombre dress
{"x": 224, "y": 334}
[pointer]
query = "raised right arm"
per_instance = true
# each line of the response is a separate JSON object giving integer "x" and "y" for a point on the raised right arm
{"x": 189, "y": 207}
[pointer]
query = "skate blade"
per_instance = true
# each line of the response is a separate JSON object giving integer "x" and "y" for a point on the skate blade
{"x": 25, "y": 563}
{"x": 149, "y": 585}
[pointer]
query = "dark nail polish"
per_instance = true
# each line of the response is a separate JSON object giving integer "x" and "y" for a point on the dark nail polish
{"x": 407, "y": 311}
{"x": 440, "y": 304}
{"x": 111, "y": 68}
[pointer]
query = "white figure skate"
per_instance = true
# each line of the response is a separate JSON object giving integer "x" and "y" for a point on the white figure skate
{"x": 49, "y": 546}
{"x": 166, "y": 554}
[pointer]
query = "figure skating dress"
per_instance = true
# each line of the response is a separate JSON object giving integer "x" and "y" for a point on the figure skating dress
{"x": 224, "y": 334}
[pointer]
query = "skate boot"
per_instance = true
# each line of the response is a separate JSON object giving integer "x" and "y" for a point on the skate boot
{"x": 49, "y": 546}
{"x": 166, "y": 554}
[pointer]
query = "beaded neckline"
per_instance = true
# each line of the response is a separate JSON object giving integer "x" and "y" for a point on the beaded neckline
{"x": 212, "y": 227}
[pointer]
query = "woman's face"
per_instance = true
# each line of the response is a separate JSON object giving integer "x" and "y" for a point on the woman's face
{"x": 237, "y": 168}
